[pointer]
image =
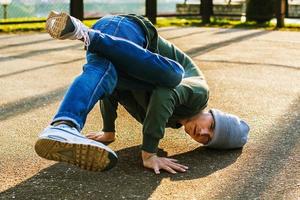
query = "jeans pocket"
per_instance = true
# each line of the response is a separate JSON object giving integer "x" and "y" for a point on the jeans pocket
{"x": 103, "y": 23}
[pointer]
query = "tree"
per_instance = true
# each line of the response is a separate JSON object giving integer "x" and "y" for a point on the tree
{"x": 206, "y": 10}
{"x": 281, "y": 6}
{"x": 260, "y": 10}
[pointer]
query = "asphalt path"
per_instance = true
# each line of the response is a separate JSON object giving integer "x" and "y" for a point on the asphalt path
{"x": 252, "y": 73}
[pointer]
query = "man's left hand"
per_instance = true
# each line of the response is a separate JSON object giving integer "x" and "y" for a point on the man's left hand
{"x": 156, "y": 163}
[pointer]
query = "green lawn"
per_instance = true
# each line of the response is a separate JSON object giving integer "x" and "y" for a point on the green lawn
{"x": 161, "y": 22}
{"x": 224, "y": 23}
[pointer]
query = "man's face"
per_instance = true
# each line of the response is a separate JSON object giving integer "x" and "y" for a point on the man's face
{"x": 200, "y": 127}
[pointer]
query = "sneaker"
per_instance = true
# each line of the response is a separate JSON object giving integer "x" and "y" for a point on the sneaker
{"x": 65, "y": 144}
{"x": 63, "y": 26}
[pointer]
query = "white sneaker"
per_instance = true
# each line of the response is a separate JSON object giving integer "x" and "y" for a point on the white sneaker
{"x": 63, "y": 26}
{"x": 65, "y": 144}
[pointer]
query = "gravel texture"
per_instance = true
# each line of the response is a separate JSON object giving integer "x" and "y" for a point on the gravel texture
{"x": 252, "y": 73}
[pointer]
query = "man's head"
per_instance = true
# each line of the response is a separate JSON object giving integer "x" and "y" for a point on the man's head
{"x": 217, "y": 129}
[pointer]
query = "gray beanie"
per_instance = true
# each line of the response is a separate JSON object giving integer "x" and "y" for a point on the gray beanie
{"x": 230, "y": 131}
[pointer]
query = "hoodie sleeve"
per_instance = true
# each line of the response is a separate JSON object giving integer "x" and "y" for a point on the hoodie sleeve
{"x": 108, "y": 107}
{"x": 192, "y": 92}
{"x": 161, "y": 106}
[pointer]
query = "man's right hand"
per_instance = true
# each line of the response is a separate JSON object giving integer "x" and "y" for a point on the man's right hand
{"x": 105, "y": 137}
{"x": 156, "y": 163}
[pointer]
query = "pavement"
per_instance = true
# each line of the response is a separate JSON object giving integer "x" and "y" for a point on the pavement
{"x": 252, "y": 73}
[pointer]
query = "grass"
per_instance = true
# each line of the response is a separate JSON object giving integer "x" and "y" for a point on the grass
{"x": 223, "y": 23}
{"x": 24, "y": 27}
{"x": 161, "y": 22}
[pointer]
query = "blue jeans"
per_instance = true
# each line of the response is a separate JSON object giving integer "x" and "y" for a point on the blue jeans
{"x": 116, "y": 58}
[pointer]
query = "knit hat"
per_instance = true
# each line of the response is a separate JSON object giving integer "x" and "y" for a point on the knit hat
{"x": 230, "y": 131}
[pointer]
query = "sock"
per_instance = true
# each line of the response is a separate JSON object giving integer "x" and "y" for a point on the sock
{"x": 65, "y": 122}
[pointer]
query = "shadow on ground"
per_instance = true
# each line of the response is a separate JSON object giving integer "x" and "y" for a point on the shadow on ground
{"x": 40, "y": 67}
{"x": 197, "y": 51}
{"x": 128, "y": 180}
{"x": 39, "y": 52}
{"x": 272, "y": 172}
{"x": 25, "y": 105}
{"x": 249, "y": 63}
{"x": 25, "y": 43}
{"x": 262, "y": 164}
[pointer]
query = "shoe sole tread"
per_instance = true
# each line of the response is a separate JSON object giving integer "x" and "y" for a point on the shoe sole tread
{"x": 59, "y": 25}
{"x": 85, "y": 156}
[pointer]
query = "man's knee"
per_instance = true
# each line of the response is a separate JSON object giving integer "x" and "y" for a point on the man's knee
{"x": 104, "y": 77}
{"x": 172, "y": 79}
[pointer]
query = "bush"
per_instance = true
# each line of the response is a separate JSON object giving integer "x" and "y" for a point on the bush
{"x": 260, "y": 11}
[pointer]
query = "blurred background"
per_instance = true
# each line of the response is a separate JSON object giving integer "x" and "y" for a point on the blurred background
{"x": 30, "y": 11}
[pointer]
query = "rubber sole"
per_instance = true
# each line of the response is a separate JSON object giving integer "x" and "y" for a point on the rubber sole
{"x": 56, "y": 23}
{"x": 85, "y": 156}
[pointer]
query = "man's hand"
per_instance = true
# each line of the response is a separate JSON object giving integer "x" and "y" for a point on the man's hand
{"x": 105, "y": 137}
{"x": 156, "y": 163}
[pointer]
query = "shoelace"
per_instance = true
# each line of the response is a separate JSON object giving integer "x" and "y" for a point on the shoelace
{"x": 83, "y": 32}
{"x": 86, "y": 37}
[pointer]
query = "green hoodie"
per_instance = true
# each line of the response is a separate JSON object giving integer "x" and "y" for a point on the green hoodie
{"x": 162, "y": 107}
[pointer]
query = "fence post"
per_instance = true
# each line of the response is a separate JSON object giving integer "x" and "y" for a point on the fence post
{"x": 280, "y": 13}
{"x": 5, "y": 11}
{"x": 76, "y": 9}
{"x": 151, "y": 10}
{"x": 206, "y": 10}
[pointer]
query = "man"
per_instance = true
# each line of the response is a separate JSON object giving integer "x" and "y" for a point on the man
{"x": 159, "y": 85}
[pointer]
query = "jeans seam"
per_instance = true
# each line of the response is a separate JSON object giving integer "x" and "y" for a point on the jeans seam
{"x": 99, "y": 84}
{"x": 118, "y": 26}
{"x": 109, "y": 64}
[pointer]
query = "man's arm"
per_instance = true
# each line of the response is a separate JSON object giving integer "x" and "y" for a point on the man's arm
{"x": 109, "y": 106}
{"x": 161, "y": 106}
{"x": 191, "y": 92}
{"x": 169, "y": 50}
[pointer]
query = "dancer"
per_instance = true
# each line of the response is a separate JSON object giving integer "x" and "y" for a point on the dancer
{"x": 159, "y": 85}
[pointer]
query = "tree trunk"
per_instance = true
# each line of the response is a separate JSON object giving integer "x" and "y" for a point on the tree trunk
{"x": 280, "y": 13}
{"x": 206, "y": 10}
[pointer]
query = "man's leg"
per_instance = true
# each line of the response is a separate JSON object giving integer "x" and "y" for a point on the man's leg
{"x": 109, "y": 105}
{"x": 98, "y": 79}
{"x": 122, "y": 50}
{"x": 136, "y": 61}
{"x": 62, "y": 140}
{"x": 64, "y": 143}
